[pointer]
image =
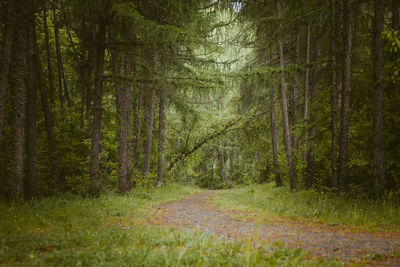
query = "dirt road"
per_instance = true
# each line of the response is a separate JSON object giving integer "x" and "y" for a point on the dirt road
{"x": 198, "y": 212}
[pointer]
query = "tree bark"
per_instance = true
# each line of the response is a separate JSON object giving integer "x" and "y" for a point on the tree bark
{"x": 125, "y": 145}
{"x": 295, "y": 94}
{"x": 161, "y": 128}
{"x": 334, "y": 94}
{"x": 18, "y": 99}
{"x": 149, "y": 124}
{"x": 5, "y": 59}
{"x": 138, "y": 128}
{"x": 59, "y": 58}
{"x": 31, "y": 129}
{"x": 231, "y": 163}
{"x": 221, "y": 151}
{"x": 274, "y": 136}
{"x": 345, "y": 107}
{"x": 314, "y": 89}
{"x": 149, "y": 132}
{"x": 285, "y": 118}
{"x": 48, "y": 117}
{"x": 378, "y": 122}
{"x": 50, "y": 74}
{"x": 396, "y": 14}
{"x": 306, "y": 95}
{"x": 98, "y": 94}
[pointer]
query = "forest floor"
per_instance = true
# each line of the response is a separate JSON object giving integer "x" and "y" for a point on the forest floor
{"x": 320, "y": 240}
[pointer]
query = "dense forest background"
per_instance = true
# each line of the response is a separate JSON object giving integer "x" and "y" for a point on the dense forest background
{"x": 101, "y": 95}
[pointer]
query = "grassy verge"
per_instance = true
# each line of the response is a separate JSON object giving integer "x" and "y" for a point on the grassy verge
{"x": 317, "y": 206}
{"x": 110, "y": 231}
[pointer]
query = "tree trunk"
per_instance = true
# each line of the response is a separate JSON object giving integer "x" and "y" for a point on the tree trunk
{"x": 31, "y": 129}
{"x": 396, "y": 14}
{"x": 222, "y": 164}
{"x": 345, "y": 107}
{"x": 98, "y": 94}
{"x": 378, "y": 122}
{"x": 50, "y": 74}
{"x": 48, "y": 118}
{"x": 138, "y": 128}
{"x": 59, "y": 58}
{"x": 149, "y": 123}
{"x": 18, "y": 97}
{"x": 161, "y": 138}
{"x": 313, "y": 131}
{"x": 231, "y": 161}
{"x": 306, "y": 94}
{"x": 62, "y": 81}
{"x": 285, "y": 118}
{"x": 274, "y": 136}
{"x": 149, "y": 133}
{"x": 334, "y": 94}
{"x": 295, "y": 94}
{"x": 125, "y": 145}
{"x": 5, "y": 59}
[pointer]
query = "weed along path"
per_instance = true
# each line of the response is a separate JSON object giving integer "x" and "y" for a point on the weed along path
{"x": 321, "y": 240}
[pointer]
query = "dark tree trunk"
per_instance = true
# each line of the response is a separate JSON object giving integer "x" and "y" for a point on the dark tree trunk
{"x": 222, "y": 164}
{"x": 334, "y": 94}
{"x": 231, "y": 161}
{"x": 396, "y": 14}
{"x": 161, "y": 138}
{"x": 31, "y": 129}
{"x": 98, "y": 95}
{"x": 125, "y": 145}
{"x": 345, "y": 107}
{"x": 306, "y": 95}
{"x": 285, "y": 117}
{"x": 50, "y": 74}
{"x": 48, "y": 118}
{"x": 60, "y": 65}
{"x": 149, "y": 123}
{"x": 274, "y": 136}
{"x": 295, "y": 94}
{"x": 314, "y": 89}
{"x": 58, "y": 53}
{"x": 138, "y": 128}
{"x": 5, "y": 59}
{"x": 149, "y": 132}
{"x": 18, "y": 97}
{"x": 378, "y": 123}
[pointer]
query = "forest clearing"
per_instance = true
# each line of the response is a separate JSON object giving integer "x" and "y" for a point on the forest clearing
{"x": 199, "y": 133}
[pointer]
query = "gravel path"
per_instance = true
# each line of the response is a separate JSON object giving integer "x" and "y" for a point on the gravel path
{"x": 321, "y": 240}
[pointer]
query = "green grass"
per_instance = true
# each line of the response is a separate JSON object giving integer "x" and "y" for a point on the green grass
{"x": 110, "y": 231}
{"x": 319, "y": 206}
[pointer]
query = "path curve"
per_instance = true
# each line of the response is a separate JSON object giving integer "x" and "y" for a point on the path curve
{"x": 321, "y": 240}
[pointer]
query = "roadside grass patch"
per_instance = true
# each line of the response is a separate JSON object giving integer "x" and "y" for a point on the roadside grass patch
{"x": 111, "y": 231}
{"x": 325, "y": 207}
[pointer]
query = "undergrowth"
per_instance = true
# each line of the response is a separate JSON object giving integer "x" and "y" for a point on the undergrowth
{"x": 319, "y": 206}
{"x": 112, "y": 231}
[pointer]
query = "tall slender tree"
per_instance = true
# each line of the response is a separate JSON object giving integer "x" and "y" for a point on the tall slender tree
{"x": 18, "y": 97}
{"x": 274, "y": 136}
{"x": 334, "y": 92}
{"x": 345, "y": 107}
{"x": 125, "y": 144}
{"x": 31, "y": 116}
{"x": 5, "y": 58}
{"x": 161, "y": 128}
{"x": 285, "y": 117}
{"x": 378, "y": 121}
{"x": 98, "y": 95}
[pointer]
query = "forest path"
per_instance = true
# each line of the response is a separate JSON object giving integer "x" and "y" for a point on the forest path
{"x": 322, "y": 240}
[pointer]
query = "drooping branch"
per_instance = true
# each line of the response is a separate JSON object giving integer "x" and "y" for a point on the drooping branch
{"x": 205, "y": 140}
